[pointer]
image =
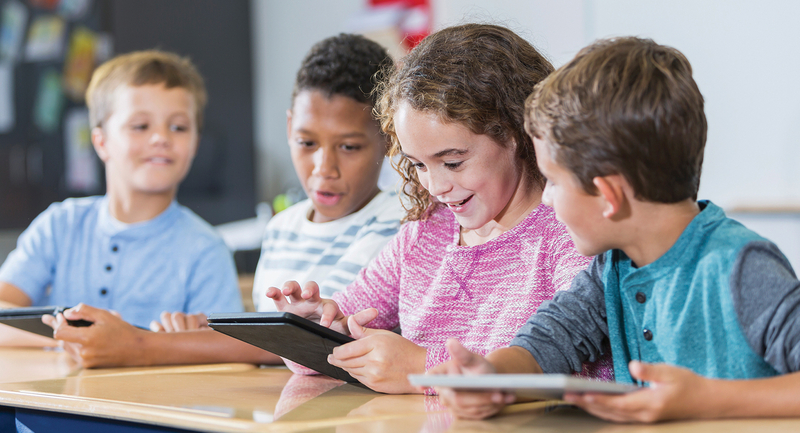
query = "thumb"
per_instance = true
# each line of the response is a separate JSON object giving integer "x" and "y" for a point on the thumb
{"x": 365, "y": 316}
{"x": 356, "y": 330}
{"x": 465, "y": 360}
{"x": 83, "y": 312}
{"x": 652, "y": 373}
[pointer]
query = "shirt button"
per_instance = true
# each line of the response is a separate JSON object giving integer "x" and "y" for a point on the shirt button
{"x": 103, "y": 291}
{"x": 640, "y": 297}
{"x": 648, "y": 335}
{"x": 115, "y": 248}
{"x": 108, "y": 268}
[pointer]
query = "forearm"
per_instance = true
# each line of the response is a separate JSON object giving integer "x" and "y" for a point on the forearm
{"x": 200, "y": 347}
{"x": 12, "y": 296}
{"x": 759, "y": 398}
{"x": 513, "y": 359}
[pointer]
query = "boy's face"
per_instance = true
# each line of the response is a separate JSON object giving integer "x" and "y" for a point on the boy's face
{"x": 580, "y": 211}
{"x": 337, "y": 151}
{"x": 149, "y": 140}
{"x": 470, "y": 173}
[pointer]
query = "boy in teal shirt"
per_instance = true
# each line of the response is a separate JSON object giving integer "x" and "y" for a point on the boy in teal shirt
{"x": 685, "y": 295}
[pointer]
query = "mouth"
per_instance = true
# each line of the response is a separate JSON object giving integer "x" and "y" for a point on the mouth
{"x": 159, "y": 160}
{"x": 456, "y": 205}
{"x": 327, "y": 198}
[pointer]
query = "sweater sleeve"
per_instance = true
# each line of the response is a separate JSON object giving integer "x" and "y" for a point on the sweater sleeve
{"x": 569, "y": 330}
{"x": 766, "y": 297}
{"x": 378, "y": 285}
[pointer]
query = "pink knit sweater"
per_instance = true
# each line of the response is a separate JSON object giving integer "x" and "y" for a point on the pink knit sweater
{"x": 435, "y": 289}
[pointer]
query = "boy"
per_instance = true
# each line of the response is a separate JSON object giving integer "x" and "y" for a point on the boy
{"x": 337, "y": 151}
{"x": 134, "y": 250}
{"x": 686, "y": 296}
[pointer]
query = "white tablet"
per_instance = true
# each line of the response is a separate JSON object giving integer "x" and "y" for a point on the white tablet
{"x": 534, "y": 386}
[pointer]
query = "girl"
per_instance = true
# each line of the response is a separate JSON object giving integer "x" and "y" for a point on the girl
{"x": 481, "y": 251}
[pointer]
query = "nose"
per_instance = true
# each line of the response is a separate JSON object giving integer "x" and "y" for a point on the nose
{"x": 326, "y": 163}
{"x": 160, "y": 137}
{"x": 435, "y": 182}
{"x": 547, "y": 198}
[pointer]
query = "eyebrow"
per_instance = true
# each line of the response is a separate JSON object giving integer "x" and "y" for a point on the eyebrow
{"x": 446, "y": 152}
{"x": 345, "y": 135}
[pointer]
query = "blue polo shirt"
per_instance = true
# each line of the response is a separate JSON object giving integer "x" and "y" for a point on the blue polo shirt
{"x": 75, "y": 251}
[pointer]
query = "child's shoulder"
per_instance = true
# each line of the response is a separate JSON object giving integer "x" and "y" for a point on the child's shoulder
{"x": 196, "y": 228}
{"x": 72, "y": 210}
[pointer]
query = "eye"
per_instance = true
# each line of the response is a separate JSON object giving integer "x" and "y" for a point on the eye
{"x": 351, "y": 147}
{"x": 418, "y": 165}
{"x": 178, "y": 128}
{"x": 139, "y": 126}
{"x": 305, "y": 143}
{"x": 453, "y": 165}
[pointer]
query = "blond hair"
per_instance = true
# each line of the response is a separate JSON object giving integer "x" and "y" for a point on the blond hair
{"x": 139, "y": 68}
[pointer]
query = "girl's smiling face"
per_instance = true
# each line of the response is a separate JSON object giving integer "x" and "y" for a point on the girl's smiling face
{"x": 478, "y": 180}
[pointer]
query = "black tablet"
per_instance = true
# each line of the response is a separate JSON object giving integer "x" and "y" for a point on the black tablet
{"x": 286, "y": 335}
{"x": 30, "y": 319}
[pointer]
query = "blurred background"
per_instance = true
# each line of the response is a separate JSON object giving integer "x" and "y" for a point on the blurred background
{"x": 745, "y": 56}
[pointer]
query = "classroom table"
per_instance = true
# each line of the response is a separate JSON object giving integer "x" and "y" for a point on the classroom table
{"x": 46, "y": 391}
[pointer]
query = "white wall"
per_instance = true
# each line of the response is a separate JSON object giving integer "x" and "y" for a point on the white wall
{"x": 745, "y": 57}
{"x": 283, "y": 31}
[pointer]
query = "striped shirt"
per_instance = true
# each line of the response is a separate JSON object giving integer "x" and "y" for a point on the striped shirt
{"x": 331, "y": 253}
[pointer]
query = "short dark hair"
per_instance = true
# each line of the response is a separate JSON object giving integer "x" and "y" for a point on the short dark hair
{"x": 477, "y": 75}
{"x": 625, "y": 106}
{"x": 345, "y": 64}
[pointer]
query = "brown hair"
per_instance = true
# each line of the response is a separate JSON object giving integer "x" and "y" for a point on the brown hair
{"x": 137, "y": 69}
{"x": 625, "y": 106}
{"x": 477, "y": 75}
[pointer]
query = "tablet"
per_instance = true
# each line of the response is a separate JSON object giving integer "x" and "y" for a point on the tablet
{"x": 30, "y": 319}
{"x": 533, "y": 386}
{"x": 286, "y": 335}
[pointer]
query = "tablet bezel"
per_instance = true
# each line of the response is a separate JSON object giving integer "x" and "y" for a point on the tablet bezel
{"x": 534, "y": 386}
{"x": 234, "y": 325}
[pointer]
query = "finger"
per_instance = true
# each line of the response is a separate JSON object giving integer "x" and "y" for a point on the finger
{"x": 166, "y": 321}
{"x": 311, "y": 292}
{"x": 192, "y": 322}
{"x": 85, "y": 312}
{"x": 352, "y": 365}
{"x": 353, "y": 349}
{"x": 69, "y": 333}
{"x": 155, "y": 326}
{"x": 330, "y": 310}
{"x": 465, "y": 359}
{"x": 652, "y": 373}
{"x": 277, "y": 297}
{"x": 292, "y": 291}
{"x": 356, "y": 330}
{"x": 365, "y": 316}
{"x": 50, "y": 320}
{"x": 178, "y": 321}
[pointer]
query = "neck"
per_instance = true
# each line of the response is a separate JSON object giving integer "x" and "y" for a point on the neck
{"x": 655, "y": 228}
{"x": 132, "y": 207}
{"x": 524, "y": 200}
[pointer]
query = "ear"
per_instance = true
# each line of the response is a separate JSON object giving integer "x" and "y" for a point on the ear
{"x": 288, "y": 124}
{"x": 612, "y": 191}
{"x": 99, "y": 143}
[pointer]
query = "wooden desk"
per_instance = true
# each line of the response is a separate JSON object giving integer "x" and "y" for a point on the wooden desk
{"x": 242, "y": 397}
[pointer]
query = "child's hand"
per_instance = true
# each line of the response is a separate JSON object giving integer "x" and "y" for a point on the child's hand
{"x": 109, "y": 341}
{"x": 380, "y": 359}
{"x": 176, "y": 322}
{"x": 468, "y": 404}
{"x": 307, "y": 303}
{"x": 674, "y": 393}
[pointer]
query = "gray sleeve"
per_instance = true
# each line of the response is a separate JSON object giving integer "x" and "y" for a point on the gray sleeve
{"x": 569, "y": 330}
{"x": 766, "y": 297}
